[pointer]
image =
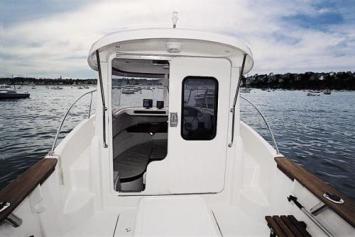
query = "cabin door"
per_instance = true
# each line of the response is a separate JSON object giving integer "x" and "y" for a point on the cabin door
{"x": 198, "y": 124}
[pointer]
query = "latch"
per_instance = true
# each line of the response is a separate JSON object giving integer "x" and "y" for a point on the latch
{"x": 173, "y": 119}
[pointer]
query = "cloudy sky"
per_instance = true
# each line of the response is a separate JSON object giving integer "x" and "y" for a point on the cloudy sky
{"x": 51, "y": 38}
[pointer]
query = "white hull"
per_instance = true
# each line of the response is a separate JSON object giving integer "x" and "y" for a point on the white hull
{"x": 81, "y": 207}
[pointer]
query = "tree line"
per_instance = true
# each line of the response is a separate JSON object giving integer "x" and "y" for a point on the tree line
{"x": 45, "y": 81}
{"x": 303, "y": 81}
{"x": 290, "y": 81}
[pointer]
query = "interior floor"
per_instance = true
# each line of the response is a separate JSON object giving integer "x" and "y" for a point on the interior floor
{"x": 131, "y": 164}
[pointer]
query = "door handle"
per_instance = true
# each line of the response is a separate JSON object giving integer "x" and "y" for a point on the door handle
{"x": 174, "y": 119}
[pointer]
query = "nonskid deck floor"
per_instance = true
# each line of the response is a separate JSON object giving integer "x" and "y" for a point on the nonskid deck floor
{"x": 228, "y": 220}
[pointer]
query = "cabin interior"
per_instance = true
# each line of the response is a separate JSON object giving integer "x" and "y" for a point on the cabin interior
{"x": 139, "y": 119}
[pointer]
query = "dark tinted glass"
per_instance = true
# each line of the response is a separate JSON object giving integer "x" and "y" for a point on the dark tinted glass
{"x": 199, "y": 108}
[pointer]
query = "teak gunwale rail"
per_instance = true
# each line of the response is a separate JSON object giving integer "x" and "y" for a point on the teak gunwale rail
{"x": 318, "y": 187}
{"x": 22, "y": 186}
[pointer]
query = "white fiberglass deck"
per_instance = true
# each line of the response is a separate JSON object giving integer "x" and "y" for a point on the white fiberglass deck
{"x": 172, "y": 216}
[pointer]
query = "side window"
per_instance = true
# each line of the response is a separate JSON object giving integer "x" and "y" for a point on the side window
{"x": 199, "y": 108}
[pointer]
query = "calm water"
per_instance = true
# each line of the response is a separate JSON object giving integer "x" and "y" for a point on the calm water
{"x": 318, "y": 132}
{"x": 28, "y": 126}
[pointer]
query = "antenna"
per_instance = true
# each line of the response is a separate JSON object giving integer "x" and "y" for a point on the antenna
{"x": 175, "y": 18}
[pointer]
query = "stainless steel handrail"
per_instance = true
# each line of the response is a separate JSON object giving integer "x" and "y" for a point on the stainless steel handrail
{"x": 267, "y": 124}
{"x": 232, "y": 110}
{"x": 66, "y": 114}
{"x": 104, "y": 108}
{"x": 90, "y": 105}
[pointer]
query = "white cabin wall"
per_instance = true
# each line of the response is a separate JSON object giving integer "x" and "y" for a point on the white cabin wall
{"x": 105, "y": 168}
{"x": 234, "y": 163}
{"x": 234, "y": 152}
{"x": 226, "y": 196}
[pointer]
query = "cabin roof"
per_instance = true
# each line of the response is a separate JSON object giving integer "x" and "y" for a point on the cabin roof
{"x": 191, "y": 42}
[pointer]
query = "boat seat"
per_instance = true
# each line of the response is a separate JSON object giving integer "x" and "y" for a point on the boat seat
{"x": 132, "y": 163}
{"x": 159, "y": 150}
{"x": 286, "y": 226}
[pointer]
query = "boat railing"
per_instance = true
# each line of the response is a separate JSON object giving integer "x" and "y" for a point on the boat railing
{"x": 265, "y": 121}
{"x": 67, "y": 113}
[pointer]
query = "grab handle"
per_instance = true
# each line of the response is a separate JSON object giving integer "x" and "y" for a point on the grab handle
{"x": 232, "y": 110}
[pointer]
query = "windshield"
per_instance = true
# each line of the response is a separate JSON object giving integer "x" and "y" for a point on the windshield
{"x": 136, "y": 80}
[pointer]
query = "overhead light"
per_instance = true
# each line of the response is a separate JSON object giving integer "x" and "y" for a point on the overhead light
{"x": 173, "y": 47}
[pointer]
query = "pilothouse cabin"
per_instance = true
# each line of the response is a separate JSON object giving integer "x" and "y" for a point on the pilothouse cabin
{"x": 169, "y": 100}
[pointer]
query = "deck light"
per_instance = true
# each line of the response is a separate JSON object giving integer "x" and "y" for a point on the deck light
{"x": 173, "y": 47}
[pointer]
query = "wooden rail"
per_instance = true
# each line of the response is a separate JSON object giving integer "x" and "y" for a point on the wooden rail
{"x": 318, "y": 187}
{"x": 20, "y": 188}
{"x": 287, "y": 226}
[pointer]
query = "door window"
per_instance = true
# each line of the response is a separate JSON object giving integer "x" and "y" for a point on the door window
{"x": 199, "y": 108}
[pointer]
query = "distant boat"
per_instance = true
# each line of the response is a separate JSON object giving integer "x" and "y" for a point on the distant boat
{"x": 327, "y": 92}
{"x": 128, "y": 91}
{"x": 33, "y": 87}
{"x": 4, "y": 86}
{"x": 6, "y": 94}
{"x": 313, "y": 94}
{"x": 86, "y": 87}
{"x": 56, "y": 88}
{"x": 80, "y": 87}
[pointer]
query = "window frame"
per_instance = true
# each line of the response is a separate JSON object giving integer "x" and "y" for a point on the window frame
{"x": 183, "y": 105}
